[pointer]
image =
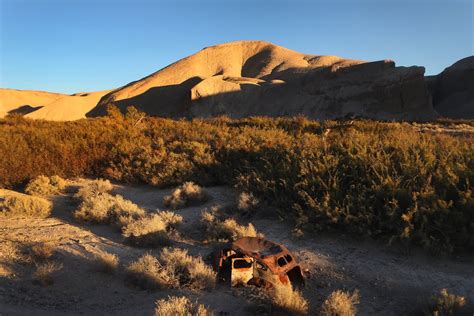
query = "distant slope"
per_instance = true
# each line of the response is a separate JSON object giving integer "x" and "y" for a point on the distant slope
{"x": 11, "y": 100}
{"x": 69, "y": 108}
{"x": 47, "y": 105}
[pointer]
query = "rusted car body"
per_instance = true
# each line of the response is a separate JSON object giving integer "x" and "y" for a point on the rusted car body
{"x": 253, "y": 260}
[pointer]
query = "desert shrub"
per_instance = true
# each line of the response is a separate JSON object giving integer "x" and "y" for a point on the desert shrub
{"x": 170, "y": 219}
{"x": 10, "y": 251}
{"x": 340, "y": 303}
{"x": 108, "y": 209}
{"x": 180, "y": 306}
{"x": 21, "y": 205}
{"x": 227, "y": 229}
{"x": 191, "y": 271}
{"x": 106, "y": 262}
{"x": 247, "y": 202}
{"x": 43, "y": 251}
{"x": 44, "y": 273}
{"x": 94, "y": 188}
{"x": 151, "y": 230}
{"x": 149, "y": 274}
{"x": 289, "y": 301}
{"x": 11, "y": 254}
{"x": 43, "y": 185}
{"x": 446, "y": 304}
{"x": 146, "y": 231}
{"x": 188, "y": 194}
{"x": 381, "y": 179}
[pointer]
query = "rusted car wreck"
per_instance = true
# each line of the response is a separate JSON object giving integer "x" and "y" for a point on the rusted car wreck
{"x": 256, "y": 261}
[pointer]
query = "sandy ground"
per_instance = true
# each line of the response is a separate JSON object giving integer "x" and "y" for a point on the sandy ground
{"x": 391, "y": 281}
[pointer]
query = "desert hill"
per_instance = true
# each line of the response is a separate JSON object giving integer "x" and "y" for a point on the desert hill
{"x": 247, "y": 78}
{"x": 453, "y": 90}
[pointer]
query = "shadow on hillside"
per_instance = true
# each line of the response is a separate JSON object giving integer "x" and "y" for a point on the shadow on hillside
{"x": 170, "y": 101}
{"x": 25, "y": 109}
{"x": 322, "y": 93}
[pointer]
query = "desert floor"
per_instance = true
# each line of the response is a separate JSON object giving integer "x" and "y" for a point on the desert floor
{"x": 391, "y": 280}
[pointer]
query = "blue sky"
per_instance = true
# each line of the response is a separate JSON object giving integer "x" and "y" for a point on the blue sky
{"x": 71, "y": 45}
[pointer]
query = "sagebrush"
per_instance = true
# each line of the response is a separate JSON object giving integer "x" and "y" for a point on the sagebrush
{"x": 188, "y": 194}
{"x": 340, "y": 303}
{"x": 180, "y": 306}
{"x": 44, "y": 186}
{"x": 289, "y": 301}
{"x": 21, "y": 205}
{"x": 381, "y": 179}
{"x": 447, "y": 304}
{"x": 226, "y": 229}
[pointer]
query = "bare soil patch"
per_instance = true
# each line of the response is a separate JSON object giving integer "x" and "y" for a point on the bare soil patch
{"x": 390, "y": 280}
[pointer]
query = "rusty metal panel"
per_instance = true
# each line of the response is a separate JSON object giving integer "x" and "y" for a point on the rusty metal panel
{"x": 242, "y": 270}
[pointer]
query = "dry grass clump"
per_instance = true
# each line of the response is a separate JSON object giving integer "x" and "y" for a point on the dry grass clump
{"x": 173, "y": 269}
{"x": 180, "y": 306}
{"x": 148, "y": 273}
{"x": 340, "y": 303}
{"x": 186, "y": 195}
{"x": 108, "y": 209}
{"x": 43, "y": 185}
{"x": 289, "y": 301}
{"x": 191, "y": 271}
{"x": 9, "y": 251}
{"x": 43, "y": 251}
{"x": 10, "y": 254}
{"x": 170, "y": 219}
{"x": 152, "y": 230}
{"x": 45, "y": 271}
{"x": 146, "y": 231}
{"x": 446, "y": 304}
{"x": 227, "y": 229}
{"x": 247, "y": 202}
{"x": 19, "y": 205}
{"x": 106, "y": 262}
{"x": 94, "y": 188}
